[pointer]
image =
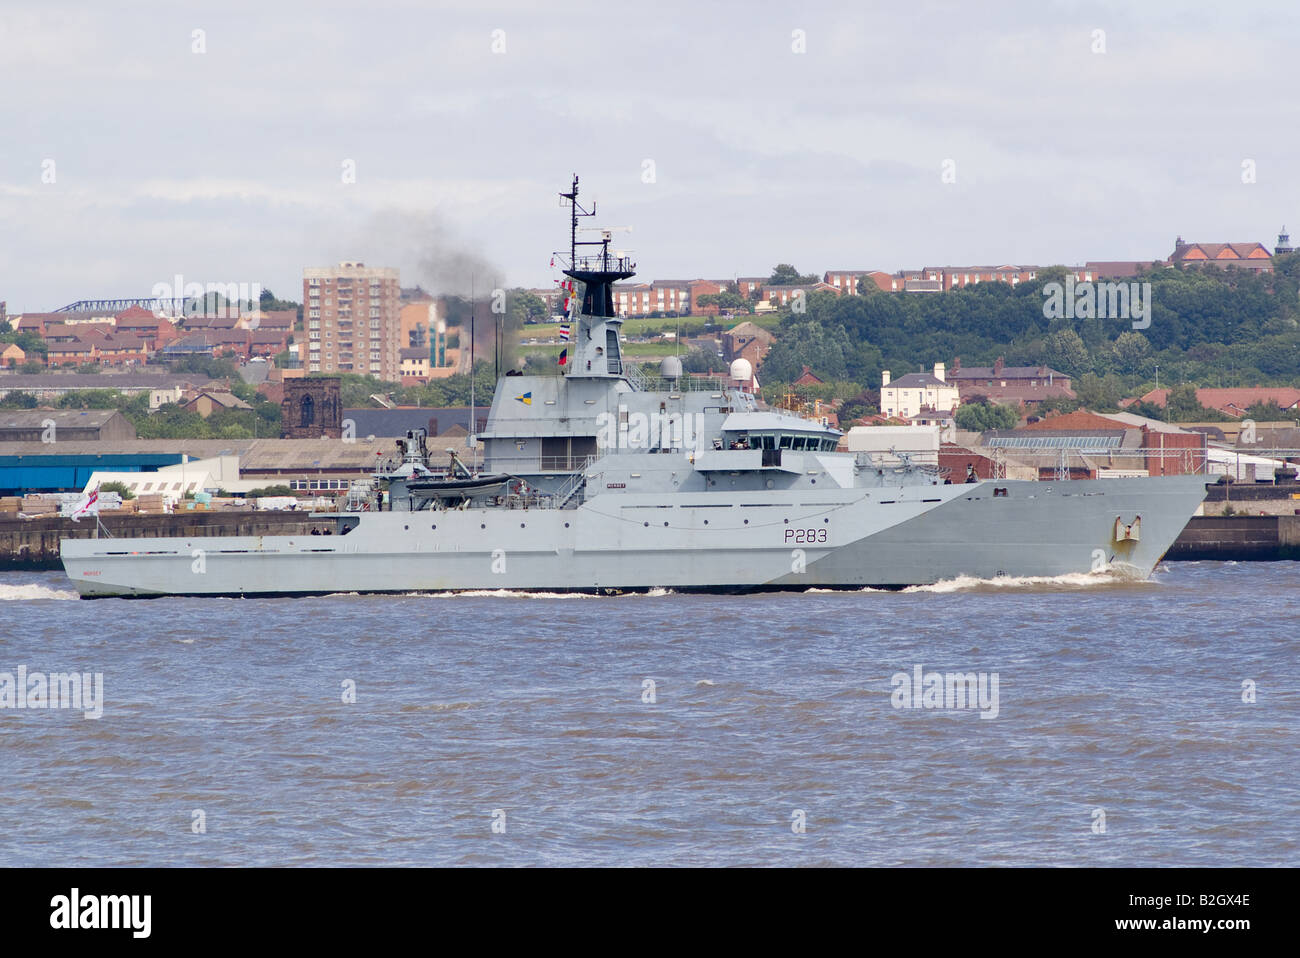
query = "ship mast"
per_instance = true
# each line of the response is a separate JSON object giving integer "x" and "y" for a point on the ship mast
{"x": 597, "y": 272}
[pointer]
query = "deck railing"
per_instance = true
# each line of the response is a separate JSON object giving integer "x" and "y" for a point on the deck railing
{"x": 641, "y": 382}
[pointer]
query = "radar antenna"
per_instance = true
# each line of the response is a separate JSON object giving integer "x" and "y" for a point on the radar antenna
{"x": 598, "y": 272}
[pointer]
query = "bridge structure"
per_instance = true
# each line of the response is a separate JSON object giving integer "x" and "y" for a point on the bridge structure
{"x": 168, "y": 306}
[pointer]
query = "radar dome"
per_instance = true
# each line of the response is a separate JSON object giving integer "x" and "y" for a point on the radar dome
{"x": 742, "y": 369}
{"x": 671, "y": 368}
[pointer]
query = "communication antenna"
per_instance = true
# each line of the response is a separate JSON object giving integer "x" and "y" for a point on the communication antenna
{"x": 471, "y": 358}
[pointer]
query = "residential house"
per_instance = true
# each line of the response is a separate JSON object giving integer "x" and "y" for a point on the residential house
{"x": 208, "y": 401}
{"x": 277, "y": 319}
{"x": 809, "y": 378}
{"x": 268, "y": 343}
{"x": 192, "y": 344}
{"x": 911, "y": 395}
{"x": 415, "y": 364}
{"x": 123, "y": 349}
{"x": 70, "y": 353}
{"x": 156, "y": 331}
{"x": 1022, "y": 386}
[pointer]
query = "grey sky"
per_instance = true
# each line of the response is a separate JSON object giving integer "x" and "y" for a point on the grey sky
{"x": 226, "y": 166}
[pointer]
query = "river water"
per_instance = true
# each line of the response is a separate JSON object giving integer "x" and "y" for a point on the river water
{"x": 663, "y": 729}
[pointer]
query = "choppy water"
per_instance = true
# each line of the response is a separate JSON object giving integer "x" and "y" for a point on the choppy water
{"x": 1123, "y": 697}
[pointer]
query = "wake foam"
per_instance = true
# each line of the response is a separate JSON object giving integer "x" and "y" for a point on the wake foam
{"x": 32, "y": 592}
{"x": 819, "y": 591}
{"x": 1045, "y": 583}
{"x": 523, "y": 594}
{"x": 483, "y": 594}
{"x": 500, "y": 594}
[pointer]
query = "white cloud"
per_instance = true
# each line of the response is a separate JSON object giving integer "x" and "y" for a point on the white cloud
{"x": 229, "y": 161}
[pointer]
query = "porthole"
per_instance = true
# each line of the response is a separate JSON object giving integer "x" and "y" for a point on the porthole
{"x": 665, "y": 525}
{"x": 566, "y": 525}
{"x": 746, "y": 522}
{"x": 482, "y": 525}
{"x": 434, "y": 526}
{"x": 646, "y": 524}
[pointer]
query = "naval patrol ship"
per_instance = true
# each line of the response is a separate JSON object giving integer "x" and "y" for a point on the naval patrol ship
{"x": 605, "y": 480}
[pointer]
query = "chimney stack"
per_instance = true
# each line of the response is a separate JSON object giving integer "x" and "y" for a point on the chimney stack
{"x": 884, "y": 379}
{"x": 939, "y": 371}
{"x": 997, "y": 367}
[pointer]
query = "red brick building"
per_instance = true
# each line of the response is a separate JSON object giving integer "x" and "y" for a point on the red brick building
{"x": 662, "y": 297}
{"x": 959, "y": 277}
{"x": 1250, "y": 256}
{"x": 123, "y": 349}
{"x": 268, "y": 343}
{"x": 1172, "y": 453}
{"x": 747, "y": 341}
{"x": 353, "y": 320}
{"x": 705, "y": 287}
{"x": 783, "y": 296}
{"x": 1022, "y": 386}
{"x": 156, "y": 331}
{"x": 1232, "y": 402}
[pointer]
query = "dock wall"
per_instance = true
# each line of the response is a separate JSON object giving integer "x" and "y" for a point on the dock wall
{"x": 1239, "y": 538}
{"x": 34, "y": 543}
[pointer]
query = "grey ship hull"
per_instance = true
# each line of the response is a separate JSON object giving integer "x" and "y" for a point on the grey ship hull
{"x": 835, "y": 538}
